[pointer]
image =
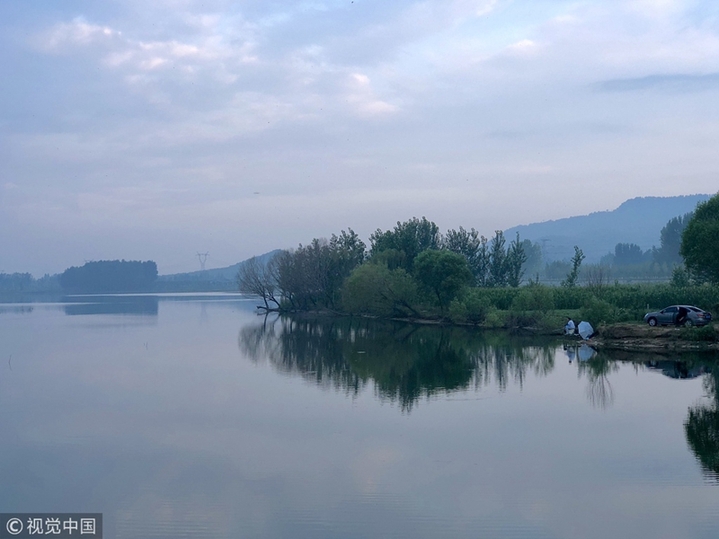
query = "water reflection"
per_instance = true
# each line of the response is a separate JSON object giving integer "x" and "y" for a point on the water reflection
{"x": 702, "y": 429}
{"x": 404, "y": 362}
{"x": 15, "y": 309}
{"x": 131, "y": 305}
{"x": 597, "y": 371}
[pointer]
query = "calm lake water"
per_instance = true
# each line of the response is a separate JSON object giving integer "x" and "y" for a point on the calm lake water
{"x": 193, "y": 417}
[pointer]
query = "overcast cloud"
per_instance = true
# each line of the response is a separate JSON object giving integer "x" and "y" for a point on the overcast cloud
{"x": 154, "y": 130}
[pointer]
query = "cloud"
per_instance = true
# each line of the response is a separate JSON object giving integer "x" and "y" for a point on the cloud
{"x": 62, "y": 37}
{"x": 363, "y": 99}
{"x": 672, "y": 83}
{"x": 182, "y": 105}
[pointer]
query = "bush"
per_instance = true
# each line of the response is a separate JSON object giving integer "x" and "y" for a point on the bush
{"x": 534, "y": 297}
{"x": 704, "y": 333}
{"x": 598, "y": 311}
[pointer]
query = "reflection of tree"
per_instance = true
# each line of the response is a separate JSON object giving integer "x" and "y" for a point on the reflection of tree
{"x": 599, "y": 388}
{"x": 300, "y": 346}
{"x": 405, "y": 362}
{"x": 702, "y": 428}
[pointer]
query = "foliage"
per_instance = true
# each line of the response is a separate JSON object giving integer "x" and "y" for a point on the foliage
{"x": 680, "y": 277}
{"x": 472, "y": 307}
{"x": 533, "y": 265}
{"x": 573, "y": 275}
{"x": 312, "y": 276}
{"x": 598, "y": 311}
{"x": 375, "y": 289}
{"x": 253, "y": 277}
{"x": 628, "y": 254}
{"x": 442, "y": 273}
{"x": 706, "y": 333}
{"x": 700, "y": 241}
{"x": 516, "y": 257}
{"x": 497, "y": 260}
{"x": 534, "y": 297}
{"x": 15, "y": 282}
{"x": 671, "y": 240}
{"x": 557, "y": 270}
{"x": 411, "y": 238}
{"x": 597, "y": 277}
{"x": 473, "y": 247}
{"x": 109, "y": 276}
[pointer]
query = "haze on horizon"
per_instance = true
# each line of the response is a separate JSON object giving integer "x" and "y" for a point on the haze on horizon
{"x": 154, "y": 130}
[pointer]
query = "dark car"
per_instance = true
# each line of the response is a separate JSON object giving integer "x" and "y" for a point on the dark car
{"x": 685, "y": 315}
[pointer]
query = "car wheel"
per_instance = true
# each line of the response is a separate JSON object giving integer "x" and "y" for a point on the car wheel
{"x": 652, "y": 322}
{"x": 688, "y": 323}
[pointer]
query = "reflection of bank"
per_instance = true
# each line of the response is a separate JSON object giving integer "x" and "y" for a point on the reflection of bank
{"x": 128, "y": 305}
{"x": 582, "y": 352}
{"x": 403, "y": 362}
{"x": 679, "y": 370}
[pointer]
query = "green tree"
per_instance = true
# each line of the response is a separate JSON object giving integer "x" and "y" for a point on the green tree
{"x": 534, "y": 263}
{"x": 411, "y": 238}
{"x": 700, "y": 241}
{"x": 467, "y": 243}
{"x": 375, "y": 289}
{"x": 497, "y": 260}
{"x": 628, "y": 254}
{"x": 573, "y": 274}
{"x": 516, "y": 257}
{"x": 670, "y": 239}
{"x": 311, "y": 276}
{"x": 442, "y": 273}
{"x": 110, "y": 276}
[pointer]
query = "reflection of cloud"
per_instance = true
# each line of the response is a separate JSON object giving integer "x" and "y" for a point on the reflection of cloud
{"x": 370, "y": 468}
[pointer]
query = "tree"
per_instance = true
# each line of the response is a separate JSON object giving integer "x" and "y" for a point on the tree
{"x": 312, "y": 276}
{"x": 628, "y": 254}
{"x": 110, "y": 276}
{"x": 534, "y": 264}
{"x": 670, "y": 239}
{"x": 253, "y": 277}
{"x": 573, "y": 274}
{"x": 373, "y": 288}
{"x": 497, "y": 260}
{"x": 700, "y": 241}
{"x": 443, "y": 273}
{"x": 516, "y": 257}
{"x": 411, "y": 238}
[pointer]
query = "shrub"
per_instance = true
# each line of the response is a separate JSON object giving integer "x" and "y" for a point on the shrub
{"x": 534, "y": 298}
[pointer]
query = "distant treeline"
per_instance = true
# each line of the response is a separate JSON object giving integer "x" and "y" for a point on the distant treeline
{"x": 108, "y": 276}
{"x": 22, "y": 283}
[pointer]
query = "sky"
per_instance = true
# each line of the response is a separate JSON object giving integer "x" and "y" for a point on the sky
{"x": 156, "y": 130}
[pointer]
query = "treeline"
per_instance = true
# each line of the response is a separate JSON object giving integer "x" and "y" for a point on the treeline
{"x": 414, "y": 271}
{"x": 411, "y": 270}
{"x": 14, "y": 283}
{"x": 109, "y": 276}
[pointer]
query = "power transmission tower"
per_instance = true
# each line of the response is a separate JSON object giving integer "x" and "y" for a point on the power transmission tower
{"x": 202, "y": 257}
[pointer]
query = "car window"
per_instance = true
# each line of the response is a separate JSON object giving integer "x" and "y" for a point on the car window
{"x": 670, "y": 310}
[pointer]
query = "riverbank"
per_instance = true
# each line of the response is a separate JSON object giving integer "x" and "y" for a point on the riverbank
{"x": 643, "y": 338}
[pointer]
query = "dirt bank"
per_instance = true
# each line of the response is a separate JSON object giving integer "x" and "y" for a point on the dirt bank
{"x": 640, "y": 337}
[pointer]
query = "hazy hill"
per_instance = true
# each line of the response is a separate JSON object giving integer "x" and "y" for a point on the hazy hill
{"x": 638, "y": 220}
{"x": 218, "y": 279}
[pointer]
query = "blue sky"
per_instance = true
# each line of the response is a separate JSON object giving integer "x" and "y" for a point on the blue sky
{"x": 154, "y": 130}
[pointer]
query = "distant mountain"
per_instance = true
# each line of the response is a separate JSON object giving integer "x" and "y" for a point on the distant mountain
{"x": 218, "y": 279}
{"x": 638, "y": 220}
